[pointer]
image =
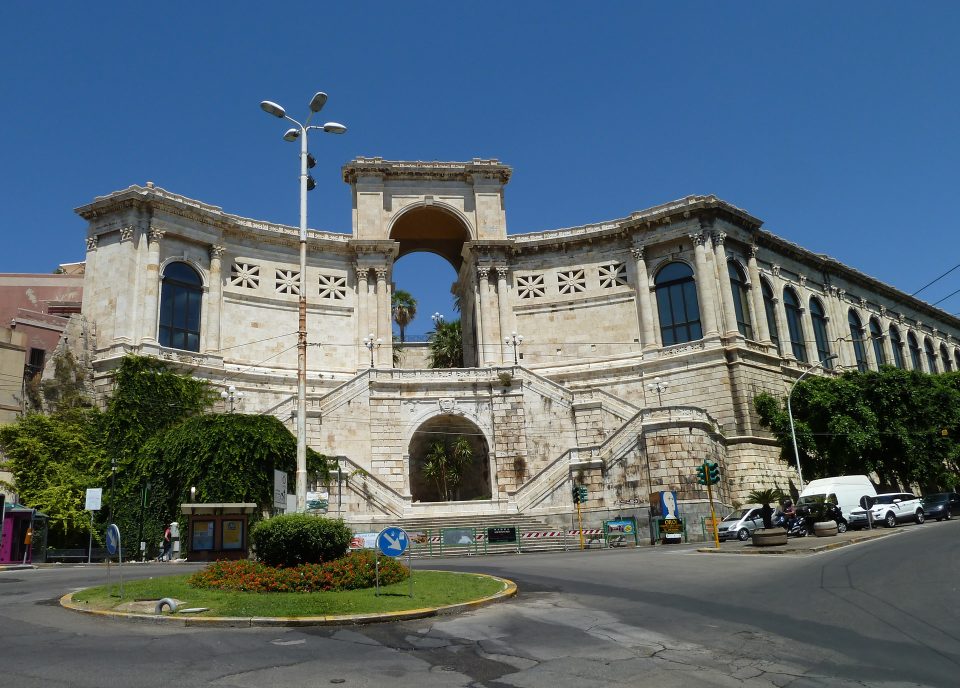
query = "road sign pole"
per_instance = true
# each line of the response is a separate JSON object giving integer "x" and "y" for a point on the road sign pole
{"x": 90, "y": 542}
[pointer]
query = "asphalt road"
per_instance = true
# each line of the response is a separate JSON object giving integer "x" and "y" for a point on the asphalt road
{"x": 878, "y": 614}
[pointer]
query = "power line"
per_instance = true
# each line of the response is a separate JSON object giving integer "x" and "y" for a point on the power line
{"x": 936, "y": 280}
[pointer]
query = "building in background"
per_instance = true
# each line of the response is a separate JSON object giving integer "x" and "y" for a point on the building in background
{"x": 645, "y": 338}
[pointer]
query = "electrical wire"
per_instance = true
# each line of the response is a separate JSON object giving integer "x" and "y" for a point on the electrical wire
{"x": 936, "y": 280}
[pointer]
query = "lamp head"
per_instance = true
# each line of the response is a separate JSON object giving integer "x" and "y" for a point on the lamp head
{"x": 291, "y": 134}
{"x": 334, "y": 128}
{"x": 318, "y": 101}
{"x": 272, "y": 108}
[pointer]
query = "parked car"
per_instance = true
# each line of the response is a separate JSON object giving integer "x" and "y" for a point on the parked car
{"x": 942, "y": 506}
{"x": 740, "y": 524}
{"x": 843, "y": 490}
{"x": 891, "y": 508}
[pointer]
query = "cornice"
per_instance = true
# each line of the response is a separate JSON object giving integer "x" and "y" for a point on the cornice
{"x": 478, "y": 168}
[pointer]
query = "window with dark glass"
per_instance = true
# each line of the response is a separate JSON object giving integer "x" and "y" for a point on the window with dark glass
{"x": 819, "y": 319}
{"x": 914, "y": 352}
{"x": 856, "y": 338}
{"x": 945, "y": 357}
{"x": 677, "y": 304}
{"x": 770, "y": 306}
{"x": 931, "y": 357}
{"x": 876, "y": 334}
{"x": 738, "y": 284}
{"x": 180, "y": 297}
{"x": 37, "y": 358}
{"x": 791, "y": 307}
{"x": 896, "y": 343}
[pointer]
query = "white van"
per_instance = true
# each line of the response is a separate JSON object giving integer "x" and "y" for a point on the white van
{"x": 842, "y": 490}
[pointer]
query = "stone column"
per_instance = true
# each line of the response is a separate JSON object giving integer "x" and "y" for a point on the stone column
{"x": 363, "y": 325}
{"x": 786, "y": 349}
{"x": 869, "y": 355}
{"x": 708, "y": 311}
{"x": 483, "y": 319}
{"x": 152, "y": 287}
{"x": 756, "y": 296}
{"x": 503, "y": 308}
{"x": 885, "y": 331}
{"x": 384, "y": 331}
{"x": 214, "y": 301}
{"x": 810, "y": 337}
{"x": 644, "y": 305}
{"x": 726, "y": 289}
{"x": 839, "y": 332}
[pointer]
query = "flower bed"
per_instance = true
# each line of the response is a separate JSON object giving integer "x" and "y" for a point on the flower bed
{"x": 351, "y": 572}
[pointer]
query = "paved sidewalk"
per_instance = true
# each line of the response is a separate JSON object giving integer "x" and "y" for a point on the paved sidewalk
{"x": 811, "y": 544}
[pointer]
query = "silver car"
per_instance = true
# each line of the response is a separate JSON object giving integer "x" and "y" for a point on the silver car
{"x": 740, "y": 524}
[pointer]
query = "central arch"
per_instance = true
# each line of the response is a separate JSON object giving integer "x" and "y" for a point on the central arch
{"x": 431, "y": 228}
{"x": 446, "y": 430}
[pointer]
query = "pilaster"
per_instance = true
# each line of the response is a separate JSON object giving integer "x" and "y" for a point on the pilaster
{"x": 215, "y": 301}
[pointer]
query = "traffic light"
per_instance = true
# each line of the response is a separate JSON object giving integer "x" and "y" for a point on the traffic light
{"x": 583, "y": 494}
{"x": 579, "y": 494}
{"x": 713, "y": 472}
{"x": 576, "y": 494}
{"x": 702, "y": 474}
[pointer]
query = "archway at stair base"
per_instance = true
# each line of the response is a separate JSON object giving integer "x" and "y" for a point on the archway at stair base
{"x": 441, "y": 434}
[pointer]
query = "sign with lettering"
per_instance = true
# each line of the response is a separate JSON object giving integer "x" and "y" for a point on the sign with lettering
{"x": 502, "y": 534}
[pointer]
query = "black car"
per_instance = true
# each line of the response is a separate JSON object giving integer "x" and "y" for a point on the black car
{"x": 941, "y": 506}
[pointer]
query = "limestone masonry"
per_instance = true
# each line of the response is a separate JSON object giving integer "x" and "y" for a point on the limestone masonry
{"x": 645, "y": 338}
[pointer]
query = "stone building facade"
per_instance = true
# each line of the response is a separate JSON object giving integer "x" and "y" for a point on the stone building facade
{"x": 645, "y": 338}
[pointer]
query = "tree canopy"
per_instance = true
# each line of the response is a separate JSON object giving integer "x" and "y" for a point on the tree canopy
{"x": 446, "y": 345}
{"x": 903, "y": 425}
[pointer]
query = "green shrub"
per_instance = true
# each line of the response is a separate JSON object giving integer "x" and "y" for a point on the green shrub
{"x": 354, "y": 571}
{"x": 295, "y": 539}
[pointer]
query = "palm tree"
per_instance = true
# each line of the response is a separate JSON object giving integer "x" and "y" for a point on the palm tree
{"x": 404, "y": 308}
{"x": 445, "y": 463}
{"x": 446, "y": 345}
{"x": 765, "y": 498}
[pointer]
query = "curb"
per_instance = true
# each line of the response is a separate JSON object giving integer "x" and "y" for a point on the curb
{"x": 509, "y": 590}
{"x": 788, "y": 551}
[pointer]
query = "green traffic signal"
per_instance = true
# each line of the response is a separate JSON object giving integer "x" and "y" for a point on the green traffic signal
{"x": 713, "y": 472}
{"x": 702, "y": 474}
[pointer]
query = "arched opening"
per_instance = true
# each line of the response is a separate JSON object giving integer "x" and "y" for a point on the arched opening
{"x": 181, "y": 293}
{"x": 432, "y": 229}
{"x": 431, "y": 240}
{"x": 440, "y": 437}
{"x": 677, "y": 304}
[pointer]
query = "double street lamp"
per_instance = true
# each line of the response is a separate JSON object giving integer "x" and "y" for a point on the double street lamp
{"x": 793, "y": 433}
{"x": 372, "y": 343}
{"x": 231, "y": 396}
{"x": 658, "y": 386}
{"x": 514, "y": 340}
{"x": 306, "y": 183}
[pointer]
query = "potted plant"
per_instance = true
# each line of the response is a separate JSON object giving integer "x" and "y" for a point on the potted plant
{"x": 768, "y": 535}
{"x": 819, "y": 512}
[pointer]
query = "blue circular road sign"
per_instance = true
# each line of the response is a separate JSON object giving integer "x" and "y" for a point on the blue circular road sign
{"x": 113, "y": 538}
{"x": 393, "y": 541}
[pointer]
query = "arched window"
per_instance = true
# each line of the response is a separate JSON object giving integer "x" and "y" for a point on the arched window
{"x": 856, "y": 337}
{"x": 770, "y": 306}
{"x": 792, "y": 308}
{"x": 820, "y": 332}
{"x": 876, "y": 334}
{"x": 931, "y": 357}
{"x": 677, "y": 304}
{"x": 956, "y": 358}
{"x": 738, "y": 284}
{"x": 945, "y": 357}
{"x": 180, "y": 298}
{"x": 896, "y": 343}
{"x": 914, "y": 351}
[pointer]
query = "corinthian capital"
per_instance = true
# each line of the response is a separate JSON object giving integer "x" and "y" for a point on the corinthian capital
{"x": 483, "y": 271}
{"x": 126, "y": 233}
{"x": 382, "y": 271}
{"x": 216, "y": 252}
{"x": 698, "y": 239}
{"x": 502, "y": 271}
{"x": 92, "y": 243}
{"x": 155, "y": 235}
{"x": 719, "y": 238}
{"x": 637, "y": 253}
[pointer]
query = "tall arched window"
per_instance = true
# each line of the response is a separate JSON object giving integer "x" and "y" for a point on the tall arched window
{"x": 770, "y": 307}
{"x": 876, "y": 334}
{"x": 856, "y": 337}
{"x": 914, "y": 351}
{"x": 677, "y": 304}
{"x": 931, "y": 357}
{"x": 794, "y": 324}
{"x": 896, "y": 343}
{"x": 945, "y": 357}
{"x": 738, "y": 284}
{"x": 820, "y": 332}
{"x": 180, "y": 298}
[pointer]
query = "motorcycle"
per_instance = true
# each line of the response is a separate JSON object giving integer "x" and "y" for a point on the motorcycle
{"x": 801, "y": 524}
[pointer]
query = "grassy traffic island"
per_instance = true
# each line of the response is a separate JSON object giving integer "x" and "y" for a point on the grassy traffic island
{"x": 319, "y": 585}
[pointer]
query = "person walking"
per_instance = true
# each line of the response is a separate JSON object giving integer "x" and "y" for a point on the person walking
{"x": 167, "y": 545}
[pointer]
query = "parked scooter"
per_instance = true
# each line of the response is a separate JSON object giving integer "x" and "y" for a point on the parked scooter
{"x": 795, "y": 525}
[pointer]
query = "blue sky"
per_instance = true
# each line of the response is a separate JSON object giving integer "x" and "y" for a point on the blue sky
{"x": 833, "y": 122}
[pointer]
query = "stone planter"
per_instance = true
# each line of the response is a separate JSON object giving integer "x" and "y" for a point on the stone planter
{"x": 769, "y": 537}
{"x": 825, "y": 528}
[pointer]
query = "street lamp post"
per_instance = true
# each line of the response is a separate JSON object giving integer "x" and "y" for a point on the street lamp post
{"x": 659, "y": 386}
{"x": 793, "y": 433}
{"x": 514, "y": 340}
{"x": 437, "y": 320}
{"x": 306, "y": 183}
{"x": 372, "y": 344}
{"x": 230, "y": 396}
